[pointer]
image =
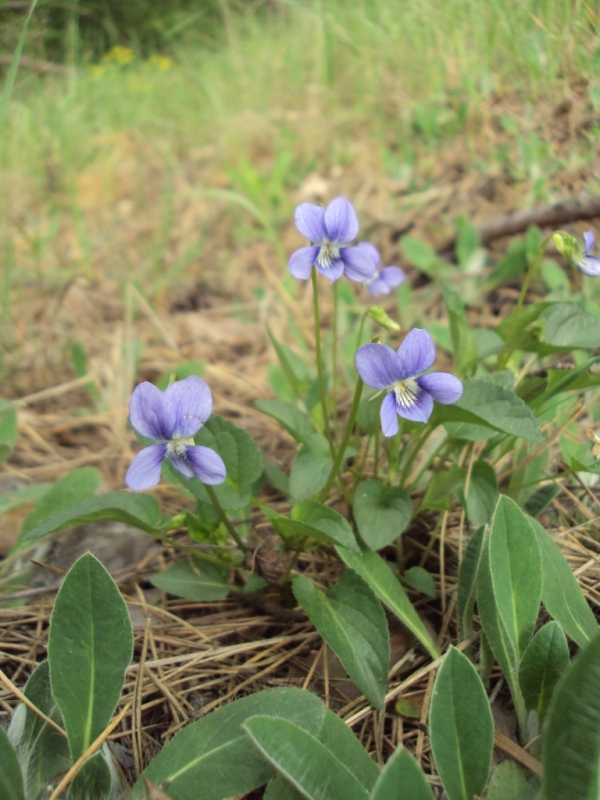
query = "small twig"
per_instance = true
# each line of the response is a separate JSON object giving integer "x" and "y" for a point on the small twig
{"x": 98, "y": 742}
{"x": 7, "y": 681}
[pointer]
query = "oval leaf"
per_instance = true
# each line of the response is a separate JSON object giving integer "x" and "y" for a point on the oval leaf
{"x": 216, "y": 754}
{"x": 306, "y": 763}
{"x": 89, "y": 648}
{"x": 379, "y": 577}
{"x": 313, "y": 520}
{"x": 194, "y": 579}
{"x": 351, "y": 620}
{"x": 310, "y": 468}
{"x": 402, "y": 779}
{"x": 461, "y": 728}
{"x": 543, "y": 662}
{"x": 11, "y": 780}
{"x": 381, "y": 513}
{"x": 506, "y": 782}
{"x": 516, "y": 570}
{"x": 561, "y": 594}
{"x": 139, "y": 510}
{"x": 467, "y": 579}
{"x": 571, "y": 746}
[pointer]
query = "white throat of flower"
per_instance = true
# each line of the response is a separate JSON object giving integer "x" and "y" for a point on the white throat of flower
{"x": 328, "y": 253}
{"x": 176, "y": 447}
{"x": 406, "y": 392}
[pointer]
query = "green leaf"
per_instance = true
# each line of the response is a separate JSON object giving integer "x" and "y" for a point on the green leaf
{"x": 93, "y": 781}
{"x": 8, "y": 428}
{"x": 376, "y": 573}
{"x": 11, "y": 780}
{"x": 486, "y": 403}
{"x": 216, "y": 754}
{"x": 42, "y": 751}
{"x": 351, "y": 620}
{"x": 66, "y": 492}
{"x": 516, "y": 570}
{"x": 280, "y": 789}
{"x": 461, "y": 728}
{"x": 277, "y": 478}
{"x": 295, "y": 421}
{"x": 506, "y": 782}
{"x": 243, "y": 462}
{"x": 368, "y": 415}
{"x": 421, "y": 580}
{"x": 467, "y": 580}
{"x": 543, "y": 662}
{"x": 194, "y": 579}
{"x": 402, "y": 779}
{"x": 568, "y": 326}
{"x": 420, "y": 255}
{"x": 571, "y": 745}
{"x": 294, "y": 369}
{"x": 381, "y": 513}
{"x": 464, "y": 345}
{"x": 140, "y": 510}
{"x": 561, "y": 594}
{"x": 541, "y": 498}
{"x": 313, "y": 520}
{"x": 291, "y": 749}
{"x": 89, "y": 648}
{"x": 20, "y": 497}
{"x": 441, "y": 486}
{"x": 310, "y": 468}
{"x": 482, "y": 494}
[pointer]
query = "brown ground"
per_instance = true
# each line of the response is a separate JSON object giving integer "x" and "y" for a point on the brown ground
{"x": 190, "y": 657}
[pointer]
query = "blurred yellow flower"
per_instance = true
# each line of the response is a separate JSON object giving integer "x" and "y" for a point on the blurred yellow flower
{"x": 120, "y": 55}
{"x": 159, "y": 62}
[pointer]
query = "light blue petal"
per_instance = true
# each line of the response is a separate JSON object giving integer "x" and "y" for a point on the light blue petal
{"x": 393, "y": 276}
{"x": 421, "y": 411}
{"x": 151, "y": 413}
{"x": 334, "y": 271}
{"x": 416, "y": 353}
{"x": 590, "y": 266}
{"x": 377, "y": 365}
{"x": 358, "y": 263}
{"x": 341, "y": 222}
{"x": 589, "y": 241}
{"x": 192, "y": 401}
{"x": 372, "y": 250}
{"x": 389, "y": 415}
{"x": 301, "y": 262}
{"x": 376, "y": 286}
{"x": 144, "y": 472}
{"x": 309, "y": 219}
{"x": 206, "y": 464}
{"x": 442, "y": 386}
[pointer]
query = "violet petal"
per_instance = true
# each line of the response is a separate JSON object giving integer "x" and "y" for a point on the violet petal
{"x": 206, "y": 464}
{"x": 192, "y": 401}
{"x": 393, "y": 276}
{"x": 589, "y": 241}
{"x": 442, "y": 386}
{"x": 144, "y": 471}
{"x": 377, "y": 365}
{"x": 341, "y": 222}
{"x": 182, "y": 464}
{"x": 367, "y": 247}
{"x": 389, "y": 415}
{"x": 420, "y": 411}
{"x": 334, "y": 271}
{"x": 416, "y": 353}
{"x": 301, "y": 262}
{"x": 358, "y": 263}
{"x": 590, "y": 266}
{"x": 377, "y": 286}
{"x": 309, "y": 219}
{"x": 151, "y": 413}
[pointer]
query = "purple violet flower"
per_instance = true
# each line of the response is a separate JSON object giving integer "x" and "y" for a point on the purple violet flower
{"x": 329, "y": 230}
{"x": 409, "y": 393}
{"x": 589, "y": 265}
{"x": 171, "y": 418}
{"x": 385, "y": 279}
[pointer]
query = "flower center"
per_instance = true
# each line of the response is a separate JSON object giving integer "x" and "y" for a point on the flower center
{"x": 406, "y": 392}
{"x": 176, "y": 447}
{"x": 328, "y": 253}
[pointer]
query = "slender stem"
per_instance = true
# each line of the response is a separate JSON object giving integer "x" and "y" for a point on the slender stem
{"x": 334, "y": 346}
{"x": 224, "y": 518}
{"x": 344, "y": 443}
{"x": 376, "y": 454}
{"x": 415, "y": 451}
{"x": 361, "y": 328}
{"x": 320, "y": 362}
{"x": 508, "y": 347}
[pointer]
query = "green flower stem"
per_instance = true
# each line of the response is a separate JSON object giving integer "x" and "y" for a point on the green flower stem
{"x": 508, "y": 346}
{"x": 334, "y": 340}
{"x": 320, "y": 362}
{"x": 224, "y": 518}
{"x": 337, "y": 462}
{"x": 414, "y": 453}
